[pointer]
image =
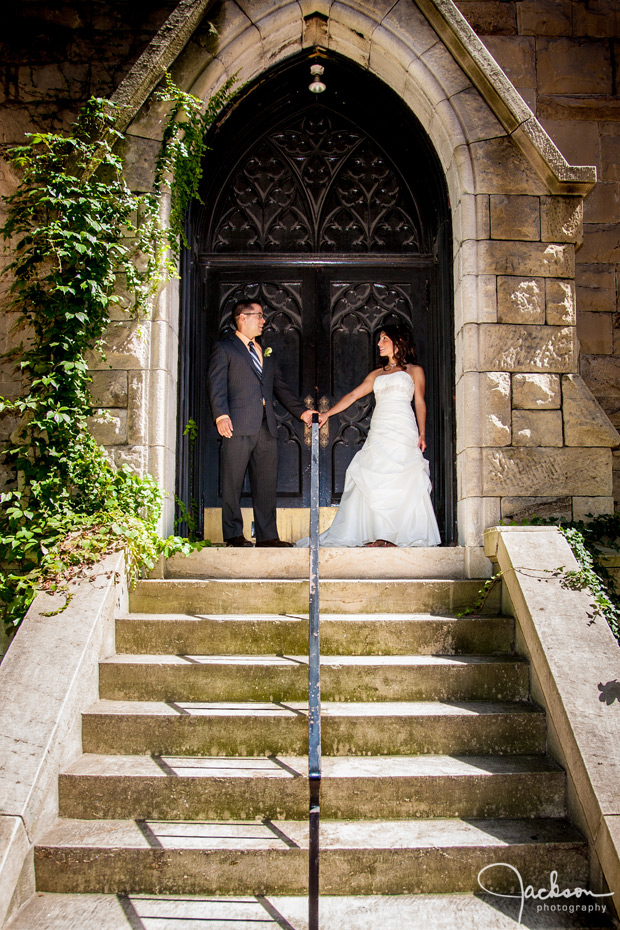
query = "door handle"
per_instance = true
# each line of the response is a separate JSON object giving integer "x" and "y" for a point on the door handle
{"x": 324, "y": 405}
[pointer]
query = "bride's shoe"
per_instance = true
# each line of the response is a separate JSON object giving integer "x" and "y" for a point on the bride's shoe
{"x": 380, "y": 544}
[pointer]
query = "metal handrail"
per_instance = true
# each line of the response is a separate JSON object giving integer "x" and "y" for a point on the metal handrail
{"x": 314, "y": 688}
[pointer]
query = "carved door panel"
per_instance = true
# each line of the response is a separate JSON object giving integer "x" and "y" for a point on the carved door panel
{"x": 354, "y": 303}
{"x": 323, "y": 324}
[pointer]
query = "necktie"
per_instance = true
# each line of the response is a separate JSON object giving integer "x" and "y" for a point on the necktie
{"x": 255, "y": 358}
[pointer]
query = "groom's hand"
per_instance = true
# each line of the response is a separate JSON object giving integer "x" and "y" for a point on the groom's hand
{"x": 307, "y": 417}
{"x": 225, "y": 427}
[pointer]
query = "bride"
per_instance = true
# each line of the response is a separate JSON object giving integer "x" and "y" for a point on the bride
{"x": 386, "y": 498}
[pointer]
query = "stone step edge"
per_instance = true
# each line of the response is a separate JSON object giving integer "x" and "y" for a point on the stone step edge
{"x": 296, "y": 767}
{"x": 59, "y": 911}
{"x": 299, "y": 708}
{"x": 282, "y": 835}
{"x": 329, "y": 660}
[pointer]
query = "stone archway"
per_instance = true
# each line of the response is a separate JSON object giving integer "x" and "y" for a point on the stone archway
{"x": 332, "y": 212}
{"x": 528, "y": 432}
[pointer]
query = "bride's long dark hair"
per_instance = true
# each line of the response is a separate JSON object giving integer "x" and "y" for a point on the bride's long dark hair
{"x": 404, "y": 349}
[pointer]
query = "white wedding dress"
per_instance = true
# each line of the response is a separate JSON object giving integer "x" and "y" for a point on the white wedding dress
{"x": 387, "y": 485}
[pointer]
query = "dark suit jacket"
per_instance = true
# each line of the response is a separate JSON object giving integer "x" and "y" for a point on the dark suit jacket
{"x": 236, "y": 389}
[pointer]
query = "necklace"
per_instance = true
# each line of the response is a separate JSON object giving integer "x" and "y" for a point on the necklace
{"x": 393, "y": 365}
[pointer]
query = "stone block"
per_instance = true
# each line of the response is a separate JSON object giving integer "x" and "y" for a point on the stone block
{"x": 125, "y": 346}
{"x": 560, "y": 300}
{"x": 440, "y": 62}
{"x": 573, "y": 66}
{"x": 475, "y": 300}
{"x": 499, "y": 165}
{"x": 470, "y": 218}
{"x": 579, "y": 148}
{"x": 549, "y": 260}
{"x": 585, "y": 423}
{"x": 474, "y": 515}
{"x": 561, "y": 219}
{"x": 390, "y": 58}
{"x": 139, "y": 409}
{"x": 109, "y": 388}
{"x": 516, "y": 56}
{"x": 602, "y": 375}
{"x": 139, "y": 158}
{"x": 601, "y": 244}
{"x": 543, "y": 472}
{"x": 602, "y": 203}
{"x": 537, "y": 428}
{"x": 405, "y": 21}
{"x": 525, "y": 508}
{"x": 596, "y": 288}
{"x": 595, "y": 333}
{"x": 489, "y": 17}
{"x": 109, "y": 429}
{"x": 610, "y": 152}
{"x": 584, "y": 507}
{"x": 476, "y": 117}
{"x": 510, "y": 347}
{"x": 349, "y": 40}
{"x": 596, "y": 18}
{"x": 520, "y": 300}
{"x": 483, "y": 404}
{"x": 544, "y": 17}
{"x": 515, "y": 217}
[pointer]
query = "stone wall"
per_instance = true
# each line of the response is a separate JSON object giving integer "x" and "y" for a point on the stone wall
{"x": 563, "y": 57}
{"x": 53, "y": 57}
{"x": 530, "y": 436}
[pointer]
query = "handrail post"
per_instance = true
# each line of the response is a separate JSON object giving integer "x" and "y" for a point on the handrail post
{"x": 314, "y": 688}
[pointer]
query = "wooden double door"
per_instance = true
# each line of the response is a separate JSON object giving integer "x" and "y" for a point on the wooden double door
{"x": 323, "y": 319}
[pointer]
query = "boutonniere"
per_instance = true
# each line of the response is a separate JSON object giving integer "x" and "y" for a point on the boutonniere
{"x": 267, "y": 352}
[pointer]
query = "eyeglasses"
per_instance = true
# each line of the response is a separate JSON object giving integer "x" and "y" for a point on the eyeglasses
{"x": 261, "y": 316}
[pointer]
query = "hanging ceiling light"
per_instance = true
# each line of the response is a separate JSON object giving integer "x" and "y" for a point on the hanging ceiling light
{"x": 317, "y": 86}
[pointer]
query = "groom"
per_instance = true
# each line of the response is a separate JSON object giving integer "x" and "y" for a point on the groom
{"x": 242, "y": 381}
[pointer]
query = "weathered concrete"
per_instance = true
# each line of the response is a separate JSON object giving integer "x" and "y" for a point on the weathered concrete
{"x": 47, "y": 676}
{"x": 263, "y": 729}
{"x": 341, "y": 634}
{"x": 199, "y": 788}
{"x": 341, "y": 912}
{"x": 576, "y": 666}
{"x": 358, "y": 857}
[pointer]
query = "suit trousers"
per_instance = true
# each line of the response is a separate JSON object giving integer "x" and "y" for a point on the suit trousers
{"x": 257, "y": 454}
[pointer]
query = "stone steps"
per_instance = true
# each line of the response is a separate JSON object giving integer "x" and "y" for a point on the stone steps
{"x": 265, "y": 857}
{"x": 276, "y": 788}
{"x": 285, "y": 678}
{"x": 220, "y": 562}
{"x": 348, "y": 728}
{"x": 194, "y": 777}
{"x": 277, "y": 912}
{"x": 350, "y": 634}
{"x": 290, "y": 596}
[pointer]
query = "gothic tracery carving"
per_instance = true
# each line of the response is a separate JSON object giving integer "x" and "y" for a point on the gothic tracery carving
{"x": 316, "y": 187}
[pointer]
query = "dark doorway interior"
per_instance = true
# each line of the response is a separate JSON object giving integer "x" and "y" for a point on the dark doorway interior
{"x": 331, "y": 212}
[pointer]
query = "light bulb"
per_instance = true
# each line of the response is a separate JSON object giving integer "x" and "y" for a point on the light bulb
{"x": 317, "y": 86}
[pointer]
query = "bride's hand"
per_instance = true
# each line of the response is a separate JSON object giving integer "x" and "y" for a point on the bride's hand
{"x": 323, "y": 418}
{"x": 422, "y": 444}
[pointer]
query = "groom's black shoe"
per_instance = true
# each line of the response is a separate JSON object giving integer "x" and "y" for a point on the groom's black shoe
{"x": 239, "y": 542}
{"x": 275, "y": 544}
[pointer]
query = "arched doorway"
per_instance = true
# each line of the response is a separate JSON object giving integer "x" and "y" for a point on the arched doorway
{"x": 332, "y": 212}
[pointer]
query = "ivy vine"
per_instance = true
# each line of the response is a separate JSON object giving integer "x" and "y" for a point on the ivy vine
{"x": 82, "y": 244}
{"x": 591, "y": 543}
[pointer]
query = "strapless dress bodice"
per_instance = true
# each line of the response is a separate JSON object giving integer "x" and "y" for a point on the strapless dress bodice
{"x": 399, "y": 384}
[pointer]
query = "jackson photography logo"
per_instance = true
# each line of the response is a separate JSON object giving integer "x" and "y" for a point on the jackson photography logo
{"x": 548, "y": 900}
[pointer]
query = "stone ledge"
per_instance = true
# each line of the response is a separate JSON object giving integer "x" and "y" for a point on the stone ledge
{"x": 572, "y": 658}
{"x": 48, "y": 675}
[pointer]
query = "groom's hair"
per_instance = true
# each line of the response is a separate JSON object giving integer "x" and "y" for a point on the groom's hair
{"x": 242, "y": 306}
{"x": 404, "y": 349}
